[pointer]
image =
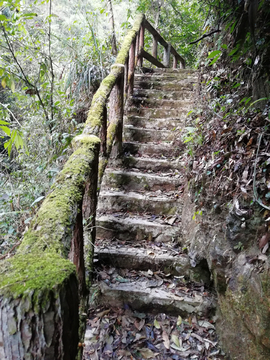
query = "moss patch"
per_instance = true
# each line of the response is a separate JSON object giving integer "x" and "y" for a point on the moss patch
{"x": 52, "y": 226}
{"x": 24, "y": 274}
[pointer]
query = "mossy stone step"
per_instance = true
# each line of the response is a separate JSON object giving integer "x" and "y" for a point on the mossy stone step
{"x": 159, "y": 112}
{"x": 132, "y": 133}
{"x": 137, "y": 181}
{"x": 142, "y": 296}
{"x": 149, "y": 164}
{"x": 135, "y": 228}
{"x": 142, "y": 203}
{"x": 144, "y": 259}
{"x": 167, "y": 150}
{"x": 184, "y": 85}
{"x": 159, "y": 94}
{"x": 140, "y": 102}
{"x": 155, "y": 123}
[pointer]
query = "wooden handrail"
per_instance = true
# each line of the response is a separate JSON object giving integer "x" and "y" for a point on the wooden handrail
{"x": 40, "y": 288}
{"x": 168, "y": 49}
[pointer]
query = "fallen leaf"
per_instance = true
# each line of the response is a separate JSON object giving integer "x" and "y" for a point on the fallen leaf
{"x": 139, "y": 324}
{"x": 206, "y": 324}
{"x": 102, "y": 313}
{"x": 166, "y": 340}
{"x": 264, "y": 240}
{"x": 156, "y": 324}
{"x": 175, "y": 340}
{"x": 179, "y": 320}
{"x": 147, "y": 353}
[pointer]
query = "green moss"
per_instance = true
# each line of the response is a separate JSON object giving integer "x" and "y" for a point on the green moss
{"x": 52, "y": 226}
{"x": 101, "y": 168}
{"x": 123, "y": 53}
{"x": 23, "y": 274}
{"x": 94, "y": 119}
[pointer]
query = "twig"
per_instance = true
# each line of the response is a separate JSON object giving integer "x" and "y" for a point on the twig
{"x": 254, "y": 176}
{"x": 8, "y": 253}
{"x": 5, "y": 106}
{"x": 204, "y": 36}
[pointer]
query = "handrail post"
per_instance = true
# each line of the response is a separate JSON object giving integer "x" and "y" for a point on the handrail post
{"x": 154, "y": 49}
{"x": 103, "y": 133}
{"x": 174, "y": 62}
{"x": 141, "y": 45}
{"x": 77, "y": 250}
{"x": 131, "y": 67}
{"x": 166, "y": 57}
{"x": 117, "y": 113}
{"x": 126, "y": 78}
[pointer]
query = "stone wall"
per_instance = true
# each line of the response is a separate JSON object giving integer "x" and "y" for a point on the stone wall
{"x": 227, "y": 238}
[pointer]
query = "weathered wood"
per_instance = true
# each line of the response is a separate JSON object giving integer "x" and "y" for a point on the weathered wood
{"x": 154, "y": 32}
{"x": 89, "y": 213}
{"x": 163, "y": 42}
{"x": 150, "y": 58}
{"x": 38, "y": 308}
{"x": 141, "y": 46}
{"x": 178, "y": 57}
{"x": 77, "y": 251}
{"x": 103, "y": 133}
{"x": 116, "y": 116}
{"x": 174, "y": 62}
{"x": 131, "y": 68}
{"x": 154, "y": 48}
{"x": 166, "y": 57}
{"x": 126, "y": 78}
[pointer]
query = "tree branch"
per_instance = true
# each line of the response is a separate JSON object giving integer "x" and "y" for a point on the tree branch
{"x": 11, "y": 113}
{"x": 204, "y": 36}
{"x": 24, "y": 77}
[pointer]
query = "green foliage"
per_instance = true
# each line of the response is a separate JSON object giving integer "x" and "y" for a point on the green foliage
{"x": 179, "y": 22}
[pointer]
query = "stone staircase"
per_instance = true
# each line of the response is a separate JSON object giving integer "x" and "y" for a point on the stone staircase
{"x": 139, "y": 260}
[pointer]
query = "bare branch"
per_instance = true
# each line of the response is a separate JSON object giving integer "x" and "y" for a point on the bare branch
{"x": 204, "y": 36}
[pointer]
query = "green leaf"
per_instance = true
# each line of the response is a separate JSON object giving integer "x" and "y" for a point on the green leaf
{"x": 2, "y": 122}
{"x": 12, "y": 86}
{"x": 224, "y": 46}
{"x": 4, "y": 83}
{"x": 179, "y": 320}
{"x": 5, "y": 129}
{"x": 3, "y": 18}
{"x": 214, "y": 53}
{"x": 214, "y": 60}
{"x": 156, "y": 324}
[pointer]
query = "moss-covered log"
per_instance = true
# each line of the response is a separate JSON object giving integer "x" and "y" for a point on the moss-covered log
{"x": 38, "y": 302}
{"x": 39, "y": 298}
{"x": 95, "y": 115}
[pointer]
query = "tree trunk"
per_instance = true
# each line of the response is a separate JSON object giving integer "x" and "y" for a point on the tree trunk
{"x": 113, "y": 37}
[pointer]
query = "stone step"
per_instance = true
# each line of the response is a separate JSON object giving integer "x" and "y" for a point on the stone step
{"x": 167, "y": 75}
{"x": 165, "y": 85}
{"x": 152, "y": 203}
{"x": 137, "y": 181}
{"x": 167, "y": 150}
{"x": 159, "y": 112}
{"x": 150, "y": 164}
{"x": 142, "y": 135}
{"x": 136, "y": 228}
{"x": 159, "y": 94}
{"x": 151, "y": 258}
{"x": 161, "y": 71}
{"x": 148, "y": 295}
{"x": 139, "y": 102}
{"x": 155, "y": 123}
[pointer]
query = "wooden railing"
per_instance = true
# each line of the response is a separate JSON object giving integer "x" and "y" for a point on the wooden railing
{"x": 40, "y": 288}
